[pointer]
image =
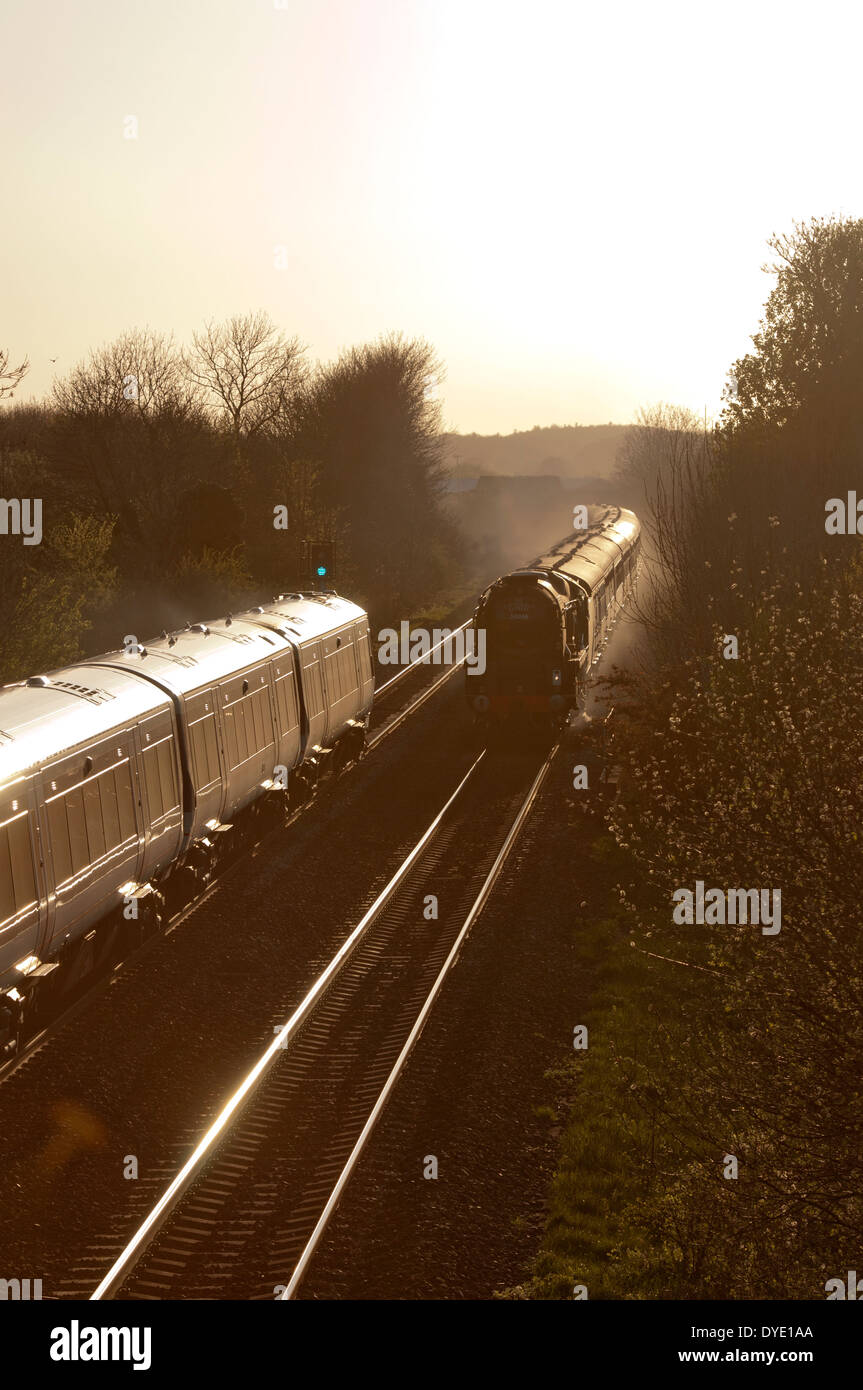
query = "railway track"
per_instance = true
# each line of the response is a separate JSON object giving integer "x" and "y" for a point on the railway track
{"x": 241, "y": 1217}
{"x": 396, "y": 700}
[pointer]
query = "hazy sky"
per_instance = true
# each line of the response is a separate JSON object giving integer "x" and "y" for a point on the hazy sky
{"x": 569, "y": 201}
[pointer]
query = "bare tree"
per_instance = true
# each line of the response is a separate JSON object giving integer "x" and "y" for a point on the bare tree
{"x": 140, "y": 373}
{"x": 128, "y": 433}
{"x": 661, "y": 437}
{"x": 249, "y": 371}
{"x": 669, "y": 457}
{"x": 10, "y": 377}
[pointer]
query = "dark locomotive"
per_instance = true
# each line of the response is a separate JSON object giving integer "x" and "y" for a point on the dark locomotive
{"x": 546, "y": 625}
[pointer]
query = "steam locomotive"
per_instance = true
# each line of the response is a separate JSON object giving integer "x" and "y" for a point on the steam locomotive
{"x": 546, "y": 625}
{"x": 124, "y": 779}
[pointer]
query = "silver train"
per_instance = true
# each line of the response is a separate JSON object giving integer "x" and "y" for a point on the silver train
{"x": 124, "y": 779}
{"x": 546, "y": 625}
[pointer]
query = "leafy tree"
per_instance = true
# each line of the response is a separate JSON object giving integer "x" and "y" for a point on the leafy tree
{"x": 809, "y": 349}
{"x": 372, "y": 420}
{"x": 49, "y": 610}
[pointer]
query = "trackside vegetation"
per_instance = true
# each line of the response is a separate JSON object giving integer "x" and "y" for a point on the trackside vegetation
{"x": 714, "y": 1145}
{"x": 176, "y": 482}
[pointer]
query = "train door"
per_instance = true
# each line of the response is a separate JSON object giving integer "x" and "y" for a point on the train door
{"x": 23, "y": 896}
{"x": 342, "y": 680}
{"x": 286, "y": 690}
{"x": 248, "y": 735}
{"x": 205, "y": 762}
{"x": 365, "y": 670}
{"x": 93, "y": 837}
{"x": 314, "y": 692}
{"x": 578, "y": 640}
{"x": 163, "y": 819}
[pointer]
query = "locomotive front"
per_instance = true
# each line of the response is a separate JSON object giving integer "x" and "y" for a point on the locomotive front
{"x": 526, "y": 656}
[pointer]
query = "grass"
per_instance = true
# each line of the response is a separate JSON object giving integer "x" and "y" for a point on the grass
{"x": 595, "y": 1234}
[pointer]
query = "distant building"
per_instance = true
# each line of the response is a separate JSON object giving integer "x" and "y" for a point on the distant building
{"x": 460, "y": 484}
{"x": 537, "y": 491}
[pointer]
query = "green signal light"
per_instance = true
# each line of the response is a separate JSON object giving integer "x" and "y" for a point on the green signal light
{"x": 322, "y": 569}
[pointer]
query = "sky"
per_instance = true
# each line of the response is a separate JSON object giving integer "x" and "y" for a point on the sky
{"x": 570, "y": 201}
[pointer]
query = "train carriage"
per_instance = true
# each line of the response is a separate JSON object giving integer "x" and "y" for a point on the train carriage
{"x": 90, "y": 811}
{"x": 234, "y": 689}
{"x": 546, "y": 625}
{"x": 330, "y": 636}
{"x": 118, "y": 776}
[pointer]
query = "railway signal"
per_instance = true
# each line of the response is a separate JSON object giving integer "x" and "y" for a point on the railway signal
{"x": 320, "y": 562}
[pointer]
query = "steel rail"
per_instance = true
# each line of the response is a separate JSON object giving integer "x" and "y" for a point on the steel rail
{"x": 396, "y": 722}
{"x": 478, "y": 905}
{"x": 421, "y": 660}
{"x": 191, "y": 1170}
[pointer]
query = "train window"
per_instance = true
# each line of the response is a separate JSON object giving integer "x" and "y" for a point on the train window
{"x": 246, "y": 735}
{"x": 289, "y": 686}
{"x": 110, "y": 813}
{"x": 125, "y": 800}
{"x": 365, "y": 657}
{"x": 333, "y": 681}
{"x": 356, "y": 668}
{"x": 349, "y": 668}
{"x": 21, "y": 853}
{"x": 254, "y": 723}
{"x": 245, "y": 729}
{"x": 260, "y": 706}
{"x": 232, "y": 736}
{"x": 7, "y": 888}
{"x": 281, "y": 706}
{"x": 335, "y": 676}
{"x": 77, "y": 825}
{"x": 204, "y": 751}
{"x": 314, "y": 694}
{"x": 248, "y": 727}
{"x": 287, "y": 702}
{"x": 17, "y": 877}
{"x": 93, "y": 820}
{"x": 211, "y": 747}
{"x": 59, "y": 833}
{"x": 166, "y": 774}
{"x": 154, "y": 785}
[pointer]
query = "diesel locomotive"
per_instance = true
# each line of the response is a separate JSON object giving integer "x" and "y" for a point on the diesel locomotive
{"x": 546, "y": 625}
{"x": 125, "y": 778}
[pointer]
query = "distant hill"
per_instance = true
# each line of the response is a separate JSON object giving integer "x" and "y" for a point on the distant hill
{"x": 561, "y": 450}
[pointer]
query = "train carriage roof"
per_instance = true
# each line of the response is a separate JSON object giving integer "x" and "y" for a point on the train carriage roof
{"x": 198, "y": 656}
{"x": 588, "y": 557}
{"x": 306, "y": 616}
{"x": 42, "y": 719}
